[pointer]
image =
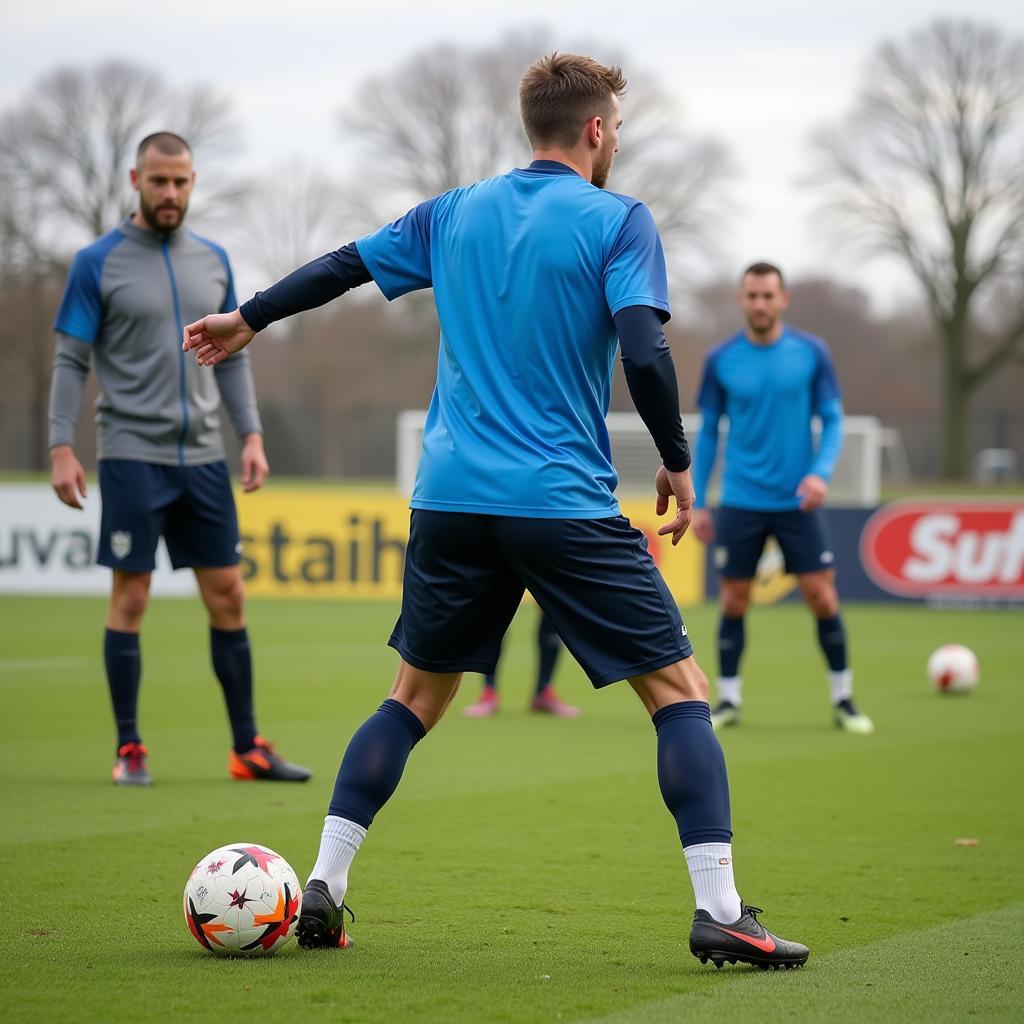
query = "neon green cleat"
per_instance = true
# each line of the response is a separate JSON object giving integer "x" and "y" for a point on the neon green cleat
{"x": 850, "y": 719}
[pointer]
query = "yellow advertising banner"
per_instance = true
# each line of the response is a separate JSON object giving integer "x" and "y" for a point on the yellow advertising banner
{"x": 338, "y": 542}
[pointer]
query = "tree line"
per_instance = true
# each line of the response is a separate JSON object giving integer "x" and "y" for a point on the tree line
{"x": 923, "y": 167}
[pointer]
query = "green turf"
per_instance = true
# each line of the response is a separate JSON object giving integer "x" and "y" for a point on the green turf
{"x": 526, "y": 870}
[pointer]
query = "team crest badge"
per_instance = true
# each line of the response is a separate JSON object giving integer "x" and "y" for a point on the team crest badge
{"x": 121, "y": 543}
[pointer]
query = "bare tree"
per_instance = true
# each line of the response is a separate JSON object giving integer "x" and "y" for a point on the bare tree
{"x": 291, "y": 214}
{"x": 65, "y": 153}
{"x": 450, "y": 115}
{"x": 927, "y": 167}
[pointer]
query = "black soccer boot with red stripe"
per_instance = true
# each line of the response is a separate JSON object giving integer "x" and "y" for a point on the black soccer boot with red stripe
{"x": 263, "y": 762}
{"x": 321, "y": 921}
{"x": 744, "y": 941}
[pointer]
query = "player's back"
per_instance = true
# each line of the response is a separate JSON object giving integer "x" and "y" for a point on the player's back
{"x": 528, "y": 269}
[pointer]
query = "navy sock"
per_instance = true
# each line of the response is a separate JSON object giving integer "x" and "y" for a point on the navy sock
{"x": 491, "y": 681}
{"x": 123, "y": 660}
{"x": 374, "y": 761}
{"x": 731, "y": 639}
{"x": 832, "y": 637}
{"x": 549, "y": 646}
{"x": 232, "y": 664}
{"x": 691, "y": 773}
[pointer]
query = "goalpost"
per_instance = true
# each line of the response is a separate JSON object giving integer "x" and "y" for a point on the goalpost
{"x": 855, "y": 482}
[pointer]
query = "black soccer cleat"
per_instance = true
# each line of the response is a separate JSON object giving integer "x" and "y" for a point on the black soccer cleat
{"x": 264, "y": 763}
{"x": 321, "y": 921}
{"x": 745, "y": 941}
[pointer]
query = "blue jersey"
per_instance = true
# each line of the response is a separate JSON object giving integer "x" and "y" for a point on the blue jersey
{"x": 770, "y": 394}
{"x": 528, "y": 270}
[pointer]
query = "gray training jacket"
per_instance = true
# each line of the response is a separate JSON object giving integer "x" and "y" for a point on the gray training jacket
{"x": 126, "y": 302}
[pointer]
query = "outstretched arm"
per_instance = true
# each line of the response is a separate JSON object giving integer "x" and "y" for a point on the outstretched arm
{"x": 215, "y": 337}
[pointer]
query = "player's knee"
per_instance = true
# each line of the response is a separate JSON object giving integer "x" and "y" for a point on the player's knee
{"x": 823, "y": 602}
{"x": 130, "y": 599}
{"x": 226, "y": 600}
{"x": 734, "y": 602}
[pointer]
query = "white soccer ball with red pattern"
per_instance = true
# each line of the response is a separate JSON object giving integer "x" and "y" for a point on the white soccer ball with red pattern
{"x": 953, "y": 668}
{"x": 242, "y": 900}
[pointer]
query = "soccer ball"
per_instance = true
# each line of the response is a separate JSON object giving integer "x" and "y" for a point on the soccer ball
{"x": 953, "y": 669}
{"x": 242, "y": 900}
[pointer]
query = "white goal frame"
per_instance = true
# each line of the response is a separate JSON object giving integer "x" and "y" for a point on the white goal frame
{"x": 855, "y": 482}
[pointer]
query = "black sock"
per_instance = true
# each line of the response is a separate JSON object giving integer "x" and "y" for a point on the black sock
{"x": 549, "y": 646}
{"x": 731, "y": 638}
{"x": 691, "y": 773}
{"x": 374, "y": 761}
{"x": 232, "y": 664}
{"x": 832, "y": 637}
{"x": 123, "y": 661}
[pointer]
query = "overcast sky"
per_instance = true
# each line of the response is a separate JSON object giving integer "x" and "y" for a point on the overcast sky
{"x": 759, "y": 76}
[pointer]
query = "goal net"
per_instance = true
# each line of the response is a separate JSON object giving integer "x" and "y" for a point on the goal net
{"x": 855, "y": 482}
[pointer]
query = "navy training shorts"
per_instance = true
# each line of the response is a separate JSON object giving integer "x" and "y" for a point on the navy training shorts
{"x": 192, "y": 507}
{"x": 740, "y": 536}
{"x": 594, "y": 579}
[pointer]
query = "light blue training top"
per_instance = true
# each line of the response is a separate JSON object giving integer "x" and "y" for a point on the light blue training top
{"x": 770, "y": 394}
{"x": 528, "y": 269}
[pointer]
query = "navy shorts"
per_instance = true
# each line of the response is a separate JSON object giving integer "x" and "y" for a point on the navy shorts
{"x": 594, "y": 579}
{"x": 192, "y": 507}
{"x": 740, "y": 536}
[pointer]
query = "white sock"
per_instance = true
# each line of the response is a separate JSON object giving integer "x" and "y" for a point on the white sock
{"x": 729, "y": 689}
{"x": 714, "y": 890}
{"x": 339, "y": 843}
{"x": 841, "y": 685}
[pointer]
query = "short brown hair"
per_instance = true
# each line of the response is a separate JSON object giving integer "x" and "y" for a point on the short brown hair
{"x": 168, "y": 143}
{"x": 763, "y": 270}
{"x": 559, "y": 93}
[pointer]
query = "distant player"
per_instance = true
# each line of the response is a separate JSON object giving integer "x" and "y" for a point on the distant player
{"x": 771, "y": 381}
{"x": 534, "y": 272}
{"x": 545, "y": 699}
{"x": 161, "y": 456}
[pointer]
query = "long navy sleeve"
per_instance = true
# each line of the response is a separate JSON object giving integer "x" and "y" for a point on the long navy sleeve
{"x": 316, "y": 283}
{"x": 651, "y": 377}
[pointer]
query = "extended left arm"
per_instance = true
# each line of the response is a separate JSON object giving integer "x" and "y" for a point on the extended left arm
{"x": 219, "y": 335}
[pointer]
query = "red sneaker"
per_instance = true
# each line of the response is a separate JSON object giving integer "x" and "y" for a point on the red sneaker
{"x": 130, "y": 767}
{"x": 486, "y": 706}
{"x": 549, "y": 703}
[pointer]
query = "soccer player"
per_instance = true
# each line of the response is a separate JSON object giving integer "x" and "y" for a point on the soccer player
{"x": 534, "y": 273}
{"x": 545, "y": 699}
{"x": 771, "y": 381}
{"x": 161, "y": 455}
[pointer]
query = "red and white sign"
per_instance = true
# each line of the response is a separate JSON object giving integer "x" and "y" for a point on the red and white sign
{"x": 929, "y": 548}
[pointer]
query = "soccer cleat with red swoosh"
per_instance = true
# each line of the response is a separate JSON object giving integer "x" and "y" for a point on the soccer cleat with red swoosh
{"x": 744, "y": 941}
{"x": 263, "y": 762}
{"x": 321, "y": 921}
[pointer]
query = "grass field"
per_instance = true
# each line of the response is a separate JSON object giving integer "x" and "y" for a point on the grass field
{"x": 526, "y": 870}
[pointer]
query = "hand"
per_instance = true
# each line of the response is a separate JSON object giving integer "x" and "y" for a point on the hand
{"x": 680, "y": 486}
{"x": 812, "y": 491}
{"x": 216, "y": 337}
{"x": 255, "y": 467}
{"x": 67, "y": 477}
{"x": 703, "y": 525}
